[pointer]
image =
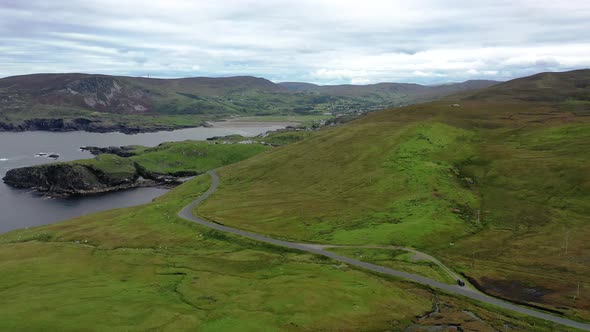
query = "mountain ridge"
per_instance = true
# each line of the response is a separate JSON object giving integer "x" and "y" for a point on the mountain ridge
{"x": 542, "y": 87}
{"x": 97, "y": 102}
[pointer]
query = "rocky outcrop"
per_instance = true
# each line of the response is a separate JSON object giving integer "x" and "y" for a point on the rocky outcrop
{"x": 67, "y": 179}
{"x": 106, "y": 94}
{"x": 121, "y": 151}
{"x": 64, "y": 179}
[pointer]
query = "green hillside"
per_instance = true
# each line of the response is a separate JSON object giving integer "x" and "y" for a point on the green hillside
{"x": 197, "y": 156}
{"x": 497, "y": 187}
{"x": 144, "y": 268}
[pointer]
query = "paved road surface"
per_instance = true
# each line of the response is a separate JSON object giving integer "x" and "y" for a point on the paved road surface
{"x": 187, "y": 214}
{"x": 418, "y": 255}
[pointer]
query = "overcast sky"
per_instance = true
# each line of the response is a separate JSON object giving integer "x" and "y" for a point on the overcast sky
{"x": 327, "y": 41}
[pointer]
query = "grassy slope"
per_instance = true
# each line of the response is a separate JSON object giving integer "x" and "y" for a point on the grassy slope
{"x": 199, "y": 156}
{"x": 144, "y": 268}
{"x": 418, "y": 175}
{"x": 342, "y": 186}
{"x": 112, "y": 166}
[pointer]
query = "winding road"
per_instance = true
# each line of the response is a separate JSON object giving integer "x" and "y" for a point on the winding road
{"x": 187, "y": 213}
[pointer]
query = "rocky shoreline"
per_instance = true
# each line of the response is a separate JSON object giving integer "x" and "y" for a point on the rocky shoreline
{"x": 83, "y": 124}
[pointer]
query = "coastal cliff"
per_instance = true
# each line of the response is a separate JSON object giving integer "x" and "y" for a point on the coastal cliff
{"x": 102, "y": 174}
{"x": 63, "y": 179}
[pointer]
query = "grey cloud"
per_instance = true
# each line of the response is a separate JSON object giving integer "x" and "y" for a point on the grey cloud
{"x": 327, "y": 41}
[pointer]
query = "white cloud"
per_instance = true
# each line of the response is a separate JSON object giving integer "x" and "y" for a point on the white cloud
{"x": 325, "y": 41}
{"x": 482, "y": 72}
{"x": 420, "y": 73}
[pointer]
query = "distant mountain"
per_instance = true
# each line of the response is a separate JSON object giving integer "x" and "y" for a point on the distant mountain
{"x": 127, "y": 95}
{"x": 101, "y": 102}
{"x": 387, "y": 88}
{"x": 382, "y": 95}
{"x": 299, "y": 86}
{"x": 543, "y": 87}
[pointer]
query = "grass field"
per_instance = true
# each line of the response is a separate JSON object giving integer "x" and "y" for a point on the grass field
{"x": 144, "y": 268}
